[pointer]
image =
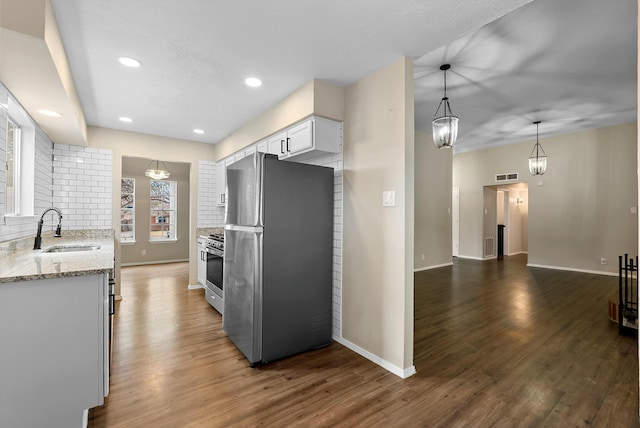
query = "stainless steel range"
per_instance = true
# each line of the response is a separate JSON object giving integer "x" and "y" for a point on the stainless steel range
{"x": 214, "y": 294}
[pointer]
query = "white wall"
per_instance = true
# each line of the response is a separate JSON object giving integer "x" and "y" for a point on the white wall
{"x": 377, "y": 283}
{"x": 433, "y": 175}
{"x": 579, "y": 211}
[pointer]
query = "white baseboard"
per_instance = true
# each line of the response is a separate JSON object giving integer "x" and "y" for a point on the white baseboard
{"x": 403, "y": 373}
{"x": 596, "y": 272}
{"x": 477, "y": 258}
{"x": 195, "y": 286}
{"x": 516, "y": 253}
{"x": 433, "y": 267}
{"x": 156, "y": 262}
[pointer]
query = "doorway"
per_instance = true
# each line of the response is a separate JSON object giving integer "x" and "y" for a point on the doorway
{"x": 506, "y": 207}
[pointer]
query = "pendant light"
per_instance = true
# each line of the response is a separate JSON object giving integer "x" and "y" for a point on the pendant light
{"x": 445, "y": 127}
{"x": 538, "y": 158}
{"x": 157, "y": 173}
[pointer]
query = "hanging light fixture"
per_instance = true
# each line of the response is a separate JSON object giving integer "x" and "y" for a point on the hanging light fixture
{"x": 538, "y": 158}
{"x": 157, "y": 173}
{"x": 445, "y": 127}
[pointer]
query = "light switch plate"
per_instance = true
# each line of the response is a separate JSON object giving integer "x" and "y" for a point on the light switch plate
{"x": 634, "y": 210}
{"x": 389, "y": 198}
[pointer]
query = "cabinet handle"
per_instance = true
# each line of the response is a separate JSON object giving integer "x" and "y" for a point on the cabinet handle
{"x": 112, "y": 304}
{"x": 222, "y": 198}
{"x": 288, "y": 144}
{"x": 281, "y": 146}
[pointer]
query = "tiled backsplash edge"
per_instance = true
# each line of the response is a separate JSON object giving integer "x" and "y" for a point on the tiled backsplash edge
{"x": 27, "y": 242}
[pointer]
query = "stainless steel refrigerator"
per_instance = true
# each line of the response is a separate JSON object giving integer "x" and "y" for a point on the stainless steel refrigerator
{"x": 278, "y": 257}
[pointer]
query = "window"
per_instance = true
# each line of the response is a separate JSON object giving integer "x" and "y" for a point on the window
{"x": 13, "y": 168}
{"x": 163, "y": 210}
{"x": 127, "y": 210}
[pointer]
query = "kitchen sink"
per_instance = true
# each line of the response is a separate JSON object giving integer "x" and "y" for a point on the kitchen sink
{"x": 68, "y": 248}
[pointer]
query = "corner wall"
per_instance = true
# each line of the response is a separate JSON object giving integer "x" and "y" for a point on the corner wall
{"x": 377, "y": 281}
{"x": 579, "y": 211}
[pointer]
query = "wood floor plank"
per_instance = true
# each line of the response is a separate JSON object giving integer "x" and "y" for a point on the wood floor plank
{"x": 497, "y": 344}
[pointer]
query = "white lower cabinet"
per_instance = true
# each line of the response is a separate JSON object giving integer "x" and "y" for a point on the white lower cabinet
{"x": 202, "y": 261}
{"x": 54, "y": 355}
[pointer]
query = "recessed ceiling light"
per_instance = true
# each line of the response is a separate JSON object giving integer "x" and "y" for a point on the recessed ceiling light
{"x": 125, "y": 119}
{"x": 254, "y": 82}
{"x": 198, "y": 131}
{"x": 129, "y": 62}
{"x": 50, "y": 113}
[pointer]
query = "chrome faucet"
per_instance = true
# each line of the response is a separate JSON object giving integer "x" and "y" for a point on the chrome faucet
{"x": 38, "y": 241}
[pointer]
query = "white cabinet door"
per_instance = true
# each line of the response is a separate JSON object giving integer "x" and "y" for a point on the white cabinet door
{"x": 299, "y": 138}
{"x": 202, "y": 262}
{"x": 56, "y": 355}
{"x": 276, "y": 144}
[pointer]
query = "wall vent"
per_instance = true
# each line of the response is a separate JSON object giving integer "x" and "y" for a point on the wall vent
{"x": 489, "y": 247}
{"x": 513, "y": 176}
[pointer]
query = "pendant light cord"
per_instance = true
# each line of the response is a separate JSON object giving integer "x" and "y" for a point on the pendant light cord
{"x": 445, "y": 83}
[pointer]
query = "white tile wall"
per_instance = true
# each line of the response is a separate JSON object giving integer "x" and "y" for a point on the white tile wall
{"x": 335, "y": 162}
{"x": 209, "y": 213}
{"x": 82, "y": 186}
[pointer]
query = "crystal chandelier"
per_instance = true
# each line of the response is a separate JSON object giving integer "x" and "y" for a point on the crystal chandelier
{"x": 538, "y": 158}
{"x": 157, "y": 173}
{"x": 445, "y": 127}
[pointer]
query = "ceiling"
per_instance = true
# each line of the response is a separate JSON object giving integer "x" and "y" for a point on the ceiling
{"x": 569, "y": 63}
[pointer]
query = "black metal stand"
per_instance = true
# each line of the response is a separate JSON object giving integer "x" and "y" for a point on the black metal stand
{"x": 628, "y": 295}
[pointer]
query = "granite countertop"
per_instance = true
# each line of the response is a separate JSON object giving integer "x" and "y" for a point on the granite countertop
{"x": 20, "y": 262}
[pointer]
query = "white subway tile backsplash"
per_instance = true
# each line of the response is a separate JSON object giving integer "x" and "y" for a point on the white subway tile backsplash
{"x": 82, "y": 186}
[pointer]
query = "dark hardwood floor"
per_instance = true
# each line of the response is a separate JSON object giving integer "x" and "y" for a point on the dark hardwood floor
{"x": 496, "y": 345}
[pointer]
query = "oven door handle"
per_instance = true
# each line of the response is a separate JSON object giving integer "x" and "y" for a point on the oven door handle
{"x": 214, "y": 251}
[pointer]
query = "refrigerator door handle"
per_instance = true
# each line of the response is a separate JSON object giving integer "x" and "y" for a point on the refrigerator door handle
{"x": 259, "y": 165}
{"x": 250, "y": 229}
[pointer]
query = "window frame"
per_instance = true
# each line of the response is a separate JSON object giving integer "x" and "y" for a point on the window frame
{"x": 172, "y": 210}
{"x": 132, "y": 210}
{"x": 16, "y": 163}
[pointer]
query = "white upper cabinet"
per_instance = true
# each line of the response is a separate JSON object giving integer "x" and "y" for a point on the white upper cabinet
{"x": 276, "y": 144}
{"x": 300, "y": 138}
{"x": 311, "y": 138}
